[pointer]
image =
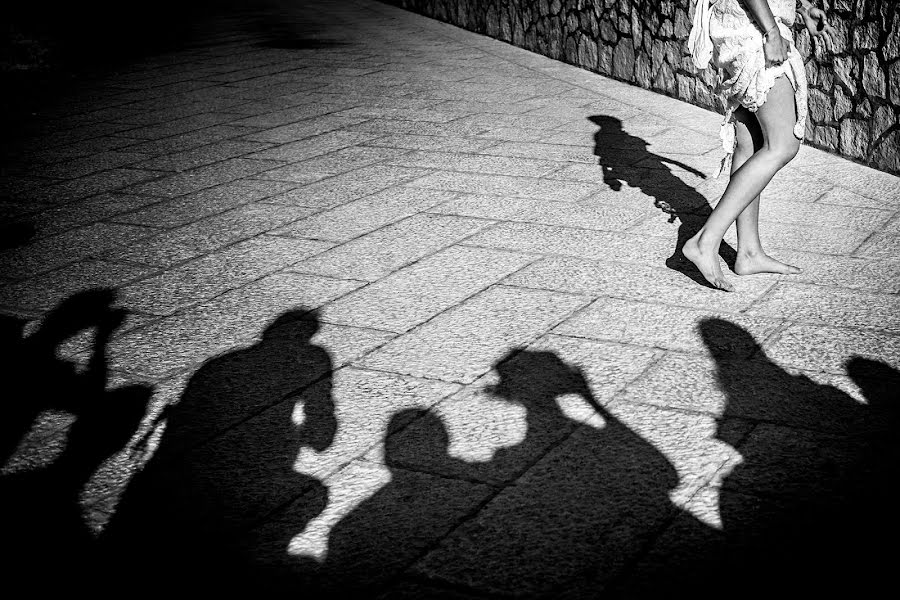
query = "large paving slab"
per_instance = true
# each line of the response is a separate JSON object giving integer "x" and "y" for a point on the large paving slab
{"x": 399, "y": 311}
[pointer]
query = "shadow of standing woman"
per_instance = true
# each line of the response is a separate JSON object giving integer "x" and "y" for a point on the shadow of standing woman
{"x": 617, "y": 151}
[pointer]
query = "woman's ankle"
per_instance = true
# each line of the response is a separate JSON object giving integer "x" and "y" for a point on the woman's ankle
{"x": 752, "y": 252}
{"x": 707, "y": 241}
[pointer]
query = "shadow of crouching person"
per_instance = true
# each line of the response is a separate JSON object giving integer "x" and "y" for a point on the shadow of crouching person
{"x": 225, "y": 462}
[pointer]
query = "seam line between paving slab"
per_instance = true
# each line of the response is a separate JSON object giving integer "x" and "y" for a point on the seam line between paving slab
{"x": 189, "y": 306}
{"x": 397, "y": 334}
{"x": 588, "y": 300}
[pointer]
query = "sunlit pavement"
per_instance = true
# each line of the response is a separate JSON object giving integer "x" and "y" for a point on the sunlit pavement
{"x": 488, "y": 239}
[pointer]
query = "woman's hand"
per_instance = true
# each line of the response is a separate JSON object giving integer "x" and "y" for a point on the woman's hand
{"x": 816, "y": 22}
{"x": 775, "y": 48}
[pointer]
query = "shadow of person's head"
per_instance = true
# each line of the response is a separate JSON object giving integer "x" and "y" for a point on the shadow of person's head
{"x": 432, "y": 437}
{"x": 608, "y": 125}
{"x": 297, "y": 326}
{"x": 536, "y": 379}
{"x": 726, "y": 340}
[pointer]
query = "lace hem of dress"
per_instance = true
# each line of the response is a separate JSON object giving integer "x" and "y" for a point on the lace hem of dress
{"x": 756, "y": 95}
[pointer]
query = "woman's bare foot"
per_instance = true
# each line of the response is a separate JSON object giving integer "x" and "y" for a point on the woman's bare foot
{"x": 747, "y": 264}
{"x": 707, "y": 262}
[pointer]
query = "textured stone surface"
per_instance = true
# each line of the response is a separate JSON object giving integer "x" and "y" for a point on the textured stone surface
{"x": 345, "y": 187}
{"x": 654, "y": 324}
{"x": 209, "y": 234}
{"x": 376, "y": 254}
{"x": 416, "y": 293}
{"x": 367, "y": 214}
{"x": 755, "y": 388}
{"x": 814, "y": 304}
{"x": 620, "y": 280}
{"x": 461, "y": 344}
{"x": 75, "y": 244}
{"x": 526, "y": 187}
{"x": 180, "y": 211}
{"x": 46, "y": 291}
{"x": 213, "y": 274}
{"x": 485, "y": 375}
{"x": 536, "y": 522}
{"x": 829, "y": 348}
{"x": 579, "y": 243}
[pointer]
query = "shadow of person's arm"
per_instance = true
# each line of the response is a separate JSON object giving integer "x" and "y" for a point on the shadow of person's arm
{"x": 681, "y": 165}
{"x": 319, "y": 424}
{"x": 611, "y": 177}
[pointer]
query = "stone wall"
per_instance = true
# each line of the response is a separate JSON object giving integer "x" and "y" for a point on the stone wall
{"x": 854, "y": 93}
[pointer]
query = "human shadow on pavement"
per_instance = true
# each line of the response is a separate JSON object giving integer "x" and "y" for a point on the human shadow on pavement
{"x": 48, "y": 541}
{"x": 812, "y": 507}
{"x": 587, "y": 490}
{"x": 225, "y": 462}
{"x": 579, "y": 511}
{"x": 618, "y": 152}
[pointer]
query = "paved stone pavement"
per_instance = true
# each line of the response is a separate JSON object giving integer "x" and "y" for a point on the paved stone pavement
{"x": 347, "y": 291}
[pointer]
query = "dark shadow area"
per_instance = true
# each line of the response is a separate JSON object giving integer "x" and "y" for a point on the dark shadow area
{"x": 45, "y": 47}
{"x": 570, "y": 510}
{"x": 812, "y": 508}
{"x": 593, "y": 489}
{"x": 225, "y": 462}
{"x": 617, "y": 151}
{"x": 44, "y": 531}
{"x": 48, "y": 50}
{"x": 14, "y": 234}
{"x": 576, "y": 511}
{"x": 288, "y": 42}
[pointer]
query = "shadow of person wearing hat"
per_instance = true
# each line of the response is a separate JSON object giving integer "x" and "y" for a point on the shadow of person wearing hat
{"x": 569, "y": 497}
{"x": 811, "y": 508}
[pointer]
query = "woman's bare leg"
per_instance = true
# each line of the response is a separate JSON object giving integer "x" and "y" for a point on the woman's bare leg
{"x": 776, "y": 119}
{"x": 751, "y": 258}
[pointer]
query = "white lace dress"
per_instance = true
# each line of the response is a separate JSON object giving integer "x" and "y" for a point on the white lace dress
{"x": 725, "y": 36}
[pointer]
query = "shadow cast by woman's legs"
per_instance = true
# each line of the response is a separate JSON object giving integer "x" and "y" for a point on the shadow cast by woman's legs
{"x": 618, "y": 153}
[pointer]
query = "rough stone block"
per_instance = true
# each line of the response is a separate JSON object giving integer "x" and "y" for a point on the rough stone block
{"x": 347, "y": 187}
{"x": 820, "y": 305}
{"x": 817, "y": 348}
{"x": 454, "y": 161}
{"x": 367, "y": 214}
{"x": 377, "y": 254}
{"x": 202, "y": 177}
{"x": 462, "y": 343}
{"x": 416, "y": 293}
{"x": 595, "y": 216}
{"x": 211, "y": 275}
{"x": 636, "y": 282}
